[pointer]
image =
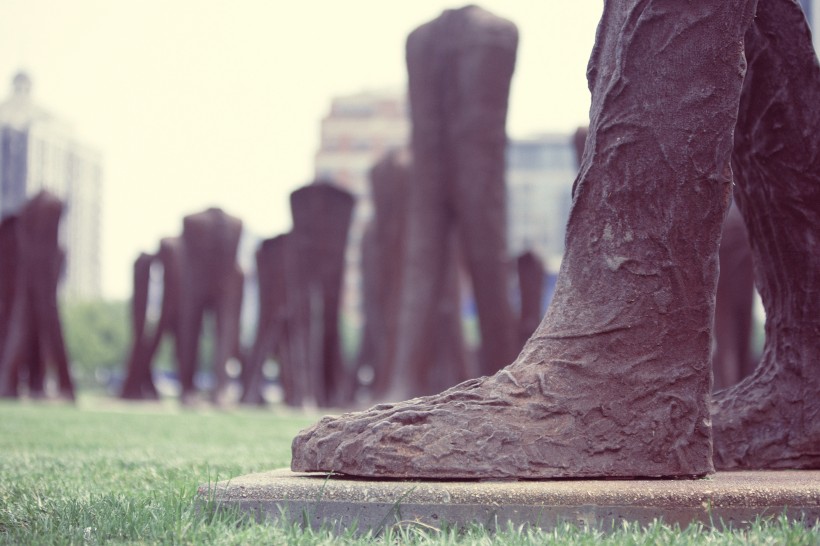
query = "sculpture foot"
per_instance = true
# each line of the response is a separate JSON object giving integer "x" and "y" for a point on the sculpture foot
{"x": 189, "y": 398}
{"x": 66, "y": 395}
{"x": 533, "y": 419}
{"x": 769, "y": 420}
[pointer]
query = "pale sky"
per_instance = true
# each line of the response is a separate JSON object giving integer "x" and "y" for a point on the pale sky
{"x": 198, "y": 103}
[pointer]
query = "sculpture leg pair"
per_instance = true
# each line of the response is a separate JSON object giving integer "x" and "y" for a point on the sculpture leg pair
{"x": 225, "y": 310}
{"x": 35, "y": 336}
{"x": 616, "y": 380}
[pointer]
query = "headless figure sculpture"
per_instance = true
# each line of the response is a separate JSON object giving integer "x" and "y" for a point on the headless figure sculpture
{"x": 210, "y": 280}
{"x": 459, "y": 67}
{"x": 272, "y": 328}
{"x": 315, "y": 271}
{"x": 139, "y": 383}
{"x": 616, "y": 380}
{"x": 31, "y": 328}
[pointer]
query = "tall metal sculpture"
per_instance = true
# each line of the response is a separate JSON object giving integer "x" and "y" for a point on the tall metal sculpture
{"x": 616, "y": 380}
{"x": 32, "y": 331}
{"x": 459, "y": 67}
{"x": 316, "y": 249}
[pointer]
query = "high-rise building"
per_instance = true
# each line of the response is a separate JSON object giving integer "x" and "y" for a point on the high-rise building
{"x": 39, "y": 151}
{"x": 540, "y": 173}
{"x": 356, "y": 133}
{"x": 812, "y": 10}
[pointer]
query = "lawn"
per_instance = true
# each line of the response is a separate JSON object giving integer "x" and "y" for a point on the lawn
{"x": 106, "y": 472}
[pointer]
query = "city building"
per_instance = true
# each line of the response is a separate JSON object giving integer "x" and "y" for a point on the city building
{"x": 39, "y": 151}
{"x": 812, "y": 10}
{"x": 540, "y": 173}
{"x": 356, "y": 133}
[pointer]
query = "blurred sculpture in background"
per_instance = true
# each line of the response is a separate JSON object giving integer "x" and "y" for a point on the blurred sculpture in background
{"x": 579, "y": 141}
{"x": 31, "y": 335}
{"x": 531, "y": 276}
{"x": 201, "y": 276}
{"x": 139, "y": 383}
{"x": 314, "y": 258}
{"x": 8, "y": 274}
{"x": 210, "y": 281}
{"x": 459, "y": 68}
{"x": 383, "y": 251}
{"x": 272, "y": 327}
{"x": 732, "y": 357}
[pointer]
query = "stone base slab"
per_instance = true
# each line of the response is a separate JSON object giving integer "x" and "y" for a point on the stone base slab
{"x": 724, "y": 499}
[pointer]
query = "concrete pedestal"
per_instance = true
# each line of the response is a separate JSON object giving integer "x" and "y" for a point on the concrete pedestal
{"x": 724, "y": 499}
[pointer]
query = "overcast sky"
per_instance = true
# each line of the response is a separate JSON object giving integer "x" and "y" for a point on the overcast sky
{"x": 198, "y": 103}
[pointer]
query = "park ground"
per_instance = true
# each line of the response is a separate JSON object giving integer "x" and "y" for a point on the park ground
{"x": 108, "y": 472}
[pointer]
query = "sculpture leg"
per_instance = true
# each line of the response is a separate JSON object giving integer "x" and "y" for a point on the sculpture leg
{"x": 772, "y": 419}
{"x": 227, "y": 333}
{"x": 616, "y": 380}
{"x": 732, "y": 358}
{"x": 339, "y": 383}
{"x": 253, "y": 378}
{"x": 191, "y": 312}
{"x": 18, "y": 339}
{"x": 138, "y": 368}
{"x": 450, "y": 363}
{"x": 266, "y": 337}
{"x": 531, "y": 276}
{"x": 50, "y": 329}
{"x": 289, "y": 378}
{"x": 33, "y": 361}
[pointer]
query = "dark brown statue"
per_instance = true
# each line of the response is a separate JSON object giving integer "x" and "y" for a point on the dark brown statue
{"x": 30, "y": 322}
{"x": 579, "y": 141}
{"x": 616, "y": 380}
{"x": 210, "y": 281}
{"x": 531, "y": 275}
{"x": 459, "y": 67}
{"x": 200, "y": 275}
{"x": 315, "y": 254}
{"x": 732, "y": 357}
{"x": 272, "y": 328}
{"x": 382, "y": 251}
{"x": 8, "y": 274}
{"x": 139, "y": 383}
{"x": 444, "y": 362}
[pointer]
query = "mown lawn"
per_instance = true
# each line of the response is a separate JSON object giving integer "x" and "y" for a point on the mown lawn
{"x": 105, "y": 472}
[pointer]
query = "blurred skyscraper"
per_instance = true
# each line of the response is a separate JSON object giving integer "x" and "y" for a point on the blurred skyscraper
{"x": 540, "y": 172}
{"x": 812, "y": 10}
{"x": 39, "y": 151}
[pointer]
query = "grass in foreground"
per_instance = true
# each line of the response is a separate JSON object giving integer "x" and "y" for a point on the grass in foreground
{"x": 106, "y": 472}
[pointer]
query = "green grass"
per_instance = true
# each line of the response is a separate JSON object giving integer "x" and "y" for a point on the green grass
{"x": 105, "y": 472}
